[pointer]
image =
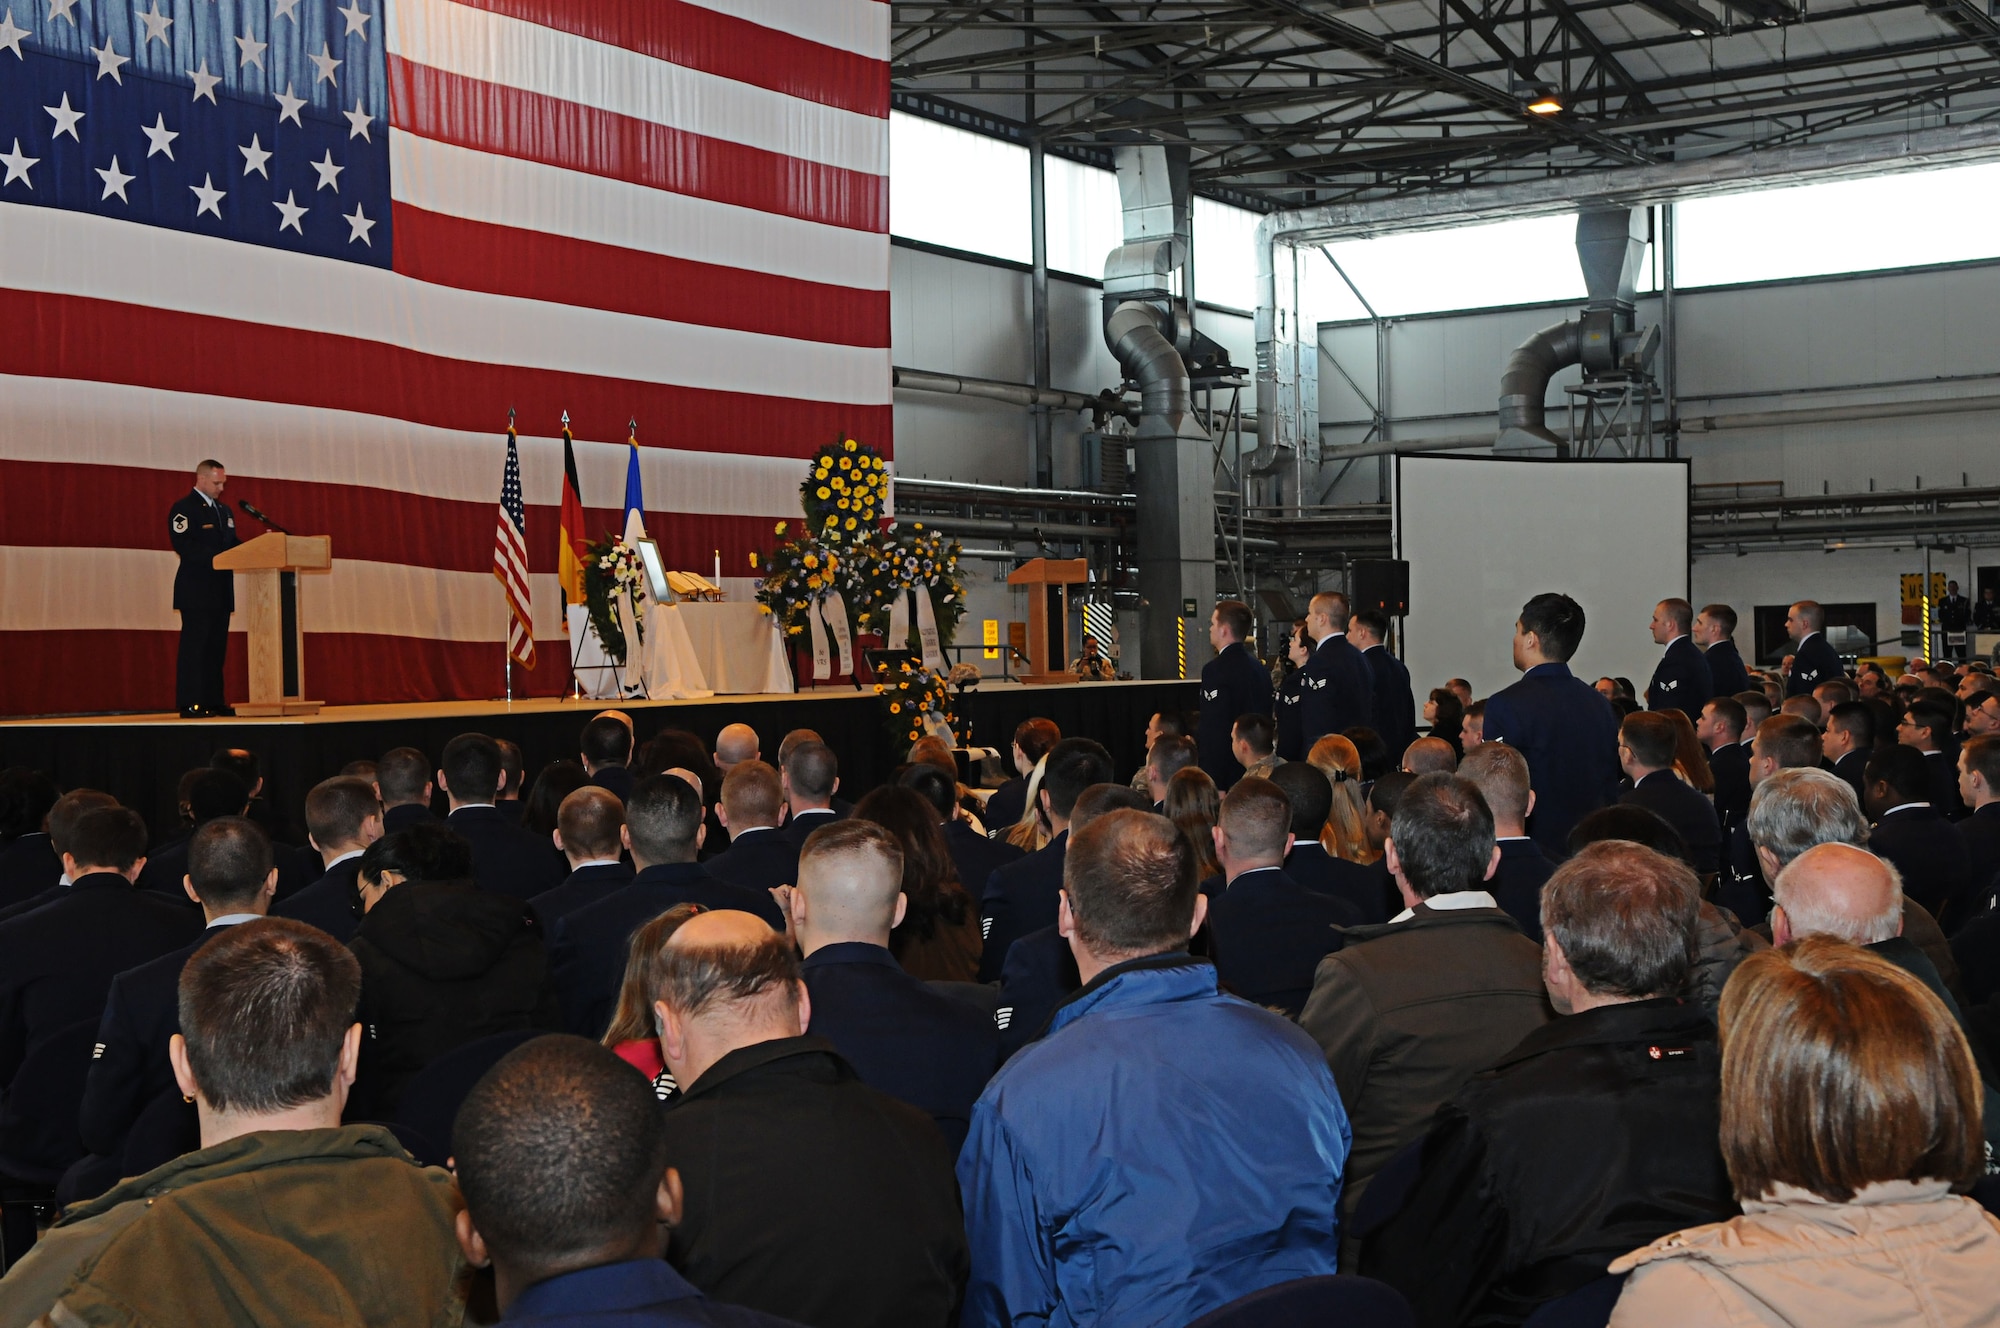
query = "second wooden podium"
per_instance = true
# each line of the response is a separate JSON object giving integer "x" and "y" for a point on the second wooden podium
{"x": 270, "y": 565}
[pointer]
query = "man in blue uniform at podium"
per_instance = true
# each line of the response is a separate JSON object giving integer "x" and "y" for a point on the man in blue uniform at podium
{"x": 201, "y": 526}
{"x": 1233, "y": 684}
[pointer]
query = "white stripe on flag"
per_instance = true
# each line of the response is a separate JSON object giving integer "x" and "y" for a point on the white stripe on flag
{"x": 860, "y": 26}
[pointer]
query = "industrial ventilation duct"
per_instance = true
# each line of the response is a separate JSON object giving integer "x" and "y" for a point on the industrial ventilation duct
{"x": 1604, "y": 338}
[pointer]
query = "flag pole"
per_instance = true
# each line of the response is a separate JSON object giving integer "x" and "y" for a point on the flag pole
{"x": 506, "y": 651}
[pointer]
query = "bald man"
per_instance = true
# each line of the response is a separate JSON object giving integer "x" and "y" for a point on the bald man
{"x": 1430, "y": 756}
{"x": 735, "y": 744}
{"x": 900, "y": 1035}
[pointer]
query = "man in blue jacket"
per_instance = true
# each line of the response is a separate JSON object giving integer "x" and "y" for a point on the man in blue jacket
{"x": 1095, "y": 1191}
{"x": 1814, "y": 660}
{"x": 1568, "y": 733}
{"x": 1234, "y": 683}
{"x": 1336, "y": 686}
{"x": 1715, "y": 633}
{"x": 1681, "y": 680}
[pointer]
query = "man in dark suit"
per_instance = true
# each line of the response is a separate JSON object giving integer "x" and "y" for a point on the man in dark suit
{"x": 810, "y": 778}
{"x": 1720, "y": 732}
{"x": 1393, "y": 710}
{"x": 1310, "y": 794}
{"x": 1926, "y": 726}
{"x": 1646, "y": 750}
{"x": 1501, "y": 775}
{"x": 1715, "y": 632}
{"x": 663, "y": 830}
{"x": 199, "y": 527}
{"x": 1336, "y": 688}
{"x": 1681, "y": 680}
{"x": 606, "y": 751}
{"x": 1022, "y": 896}
{"x": 70, "y": 808}
{"x": 760, "y": 856}
{"x": 1814, "y": 659}
{"x": 213, "y": 793}
{"x": 1954, "y": 618}
{"x": 974, "y": 855}
{"x": 344, "y": 816}
{"x": 506, "y": 859}
{"x": 28, "y": 865}
{"x": 1267, "y": 933}
{"x": 1848, "y": 742}
{"x": 1567, "y": 732}
{"x": 1909, "y": 832}
{"x": 1782, "y": 742}
{"x": 1234, "y": 683}
{"x": 1167, "y": 757}
{"x": 1979, "y": 785}
{"x": 902, "y": 1037}
{"x": 587, "y": 832}
{"x": 57, "y": 963}
{"x": 513, "y": 772}
{"x": 404, "y": 778}
{"x": 231, "y": 876}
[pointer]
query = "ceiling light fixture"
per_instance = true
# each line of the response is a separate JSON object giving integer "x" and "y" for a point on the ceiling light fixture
{"x": 1546, "y": 104}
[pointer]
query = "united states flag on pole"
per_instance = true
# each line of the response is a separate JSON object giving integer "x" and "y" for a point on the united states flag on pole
{"x": 329, "y": 241}
{"x": 510, "y": 559}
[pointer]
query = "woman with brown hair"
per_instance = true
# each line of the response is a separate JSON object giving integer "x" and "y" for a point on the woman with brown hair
{"x": 1345, "y": 835}
{"x": 1851, "y": 1129}
{"x": 1690, "y": 759}
{"x": 633, "y": 1035}
{"x": 938, "y": 938}
{"x": 1193, "y": 803}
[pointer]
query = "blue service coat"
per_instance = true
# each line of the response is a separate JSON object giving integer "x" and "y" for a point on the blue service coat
{"x": 1336, "y": 691}
{"x": 1233, "y": 684}
{"x": 1814, "y": 662}
{"x": 1393, "y": 709}
{"x": 1569, "y": 737}
{"x": 1680, "y": 680}
{"x": 1726, "y": 674}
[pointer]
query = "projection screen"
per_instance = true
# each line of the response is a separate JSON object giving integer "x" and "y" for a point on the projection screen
{"x": 1482, "y": 535}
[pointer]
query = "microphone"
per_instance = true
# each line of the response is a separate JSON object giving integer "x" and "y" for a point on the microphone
{"x": 251, "y": 508}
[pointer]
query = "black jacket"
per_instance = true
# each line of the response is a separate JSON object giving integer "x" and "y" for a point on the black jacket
{"x": 200, "y": 529}
{"x": 1568, "y": 735}
{"x": 57, "y": 963}
{"x": 28, "y": 866}
{"x": 587, "y": 953}
{"x": 584, "y": 886}
{"x": 1517, "y": 884}
{"x": 1852, "y": 767}
{"x": 1006, "y": 805}
{"x": 1981, "y": 833}
{"x": 1681, "y": 680}
{"x": 1040, "y": 974}
{"x": 1020, "y": 897}
{"x": 1814, "y": 661}
{"x": 507, "y": 859}
{"x": 166, "y": 869}
{"x": 1726, "y": 674}
{"x": 757, "y": 860}
{"x": 813, "y": 1196}
{"x": 1361, "y": 886}
{"x": 1687, "y": 811}
{"x": 976, "y": 856}
{"x": 916, "y": 1045}
{"x": 801, "y": 825}
{"x": 401, "y": 817}
{"x": 1595, "y": 1136}
{"x": 443, "y": 964}
{"x": 332, "y": 903}
{"x": 1289, "y": 711}
{"x": 1930, "y": 854}
{"x": 1336, "y": 692}
{"x": 1233, "y": 684}
{"x": 1267, "y": 934}
{"x": 1942, "y": 767}
{"x": 1393, "y": 713}
{"x": 614, "y": 779}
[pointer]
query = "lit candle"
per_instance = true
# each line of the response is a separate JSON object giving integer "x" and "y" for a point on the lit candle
{"x": 718, "y": 567}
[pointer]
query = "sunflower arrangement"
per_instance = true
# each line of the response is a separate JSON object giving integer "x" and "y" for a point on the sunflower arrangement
{"x": 912, "y": 694}
{"x": 845, "y": 492}
{"x": 921, "y": 560}
{"x": 799, "y": 573}
{"x": 611, "y": 567}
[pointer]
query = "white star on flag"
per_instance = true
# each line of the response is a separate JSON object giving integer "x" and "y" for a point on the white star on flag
{"x": 10, "y": 36}
{"x": 284, "y": 8}
{"x": 290, "y": 212}
{"x": 159, "y": 137}
{"x": 323, "y": 66}
{"x": 204, "y": 83}
{"x": 329, "y": 174}
{"x": 108, "y": 61}
{"x": 250, "y": 51}
{"x": 356, "y": 19}
{"x": 115, "y": 181}
{"x": 66, "y": 120}
{"x": 358, "y": 121}
{"x": 156, "y": 25}
{"x": 17, "y": 165}
{"x": 254, "y": 157}
{"x": 60, "y": 9}
{"x": 288, "y": 107}
{"x": 358, "y": 226}
{"x": 210, "y": 198}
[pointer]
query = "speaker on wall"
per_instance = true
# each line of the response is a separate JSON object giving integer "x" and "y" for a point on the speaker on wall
{"x": 1382, "y": 585}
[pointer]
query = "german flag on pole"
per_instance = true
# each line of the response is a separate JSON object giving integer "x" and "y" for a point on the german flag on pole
{"x": 570, "y": 549}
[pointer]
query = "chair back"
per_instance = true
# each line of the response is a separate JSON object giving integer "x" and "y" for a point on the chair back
{"x": 431, "y": 1099}
{"x": 38, "y": 1130}
{"x": 1315, "y": 1302}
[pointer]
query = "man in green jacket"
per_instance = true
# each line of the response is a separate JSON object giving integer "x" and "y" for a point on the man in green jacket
{"x": 283, "y": 1215}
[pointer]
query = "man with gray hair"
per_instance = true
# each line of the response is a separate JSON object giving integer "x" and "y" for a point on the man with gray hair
{"x": 1597, "y": 1130}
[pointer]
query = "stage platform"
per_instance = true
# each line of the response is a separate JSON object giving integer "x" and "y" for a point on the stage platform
{"x": 139, "y": 758}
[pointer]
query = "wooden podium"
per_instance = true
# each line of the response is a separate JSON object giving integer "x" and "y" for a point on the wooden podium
{"x": 270, "y": 565}
{"x": 1048, "y": 581}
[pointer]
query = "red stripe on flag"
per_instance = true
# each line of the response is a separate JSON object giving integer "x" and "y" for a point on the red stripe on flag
{"x": 67, "y": 336}
{"x": 530, "y": 265}
{"x": 720, "y": 44}
{"x": 513, "y": 123}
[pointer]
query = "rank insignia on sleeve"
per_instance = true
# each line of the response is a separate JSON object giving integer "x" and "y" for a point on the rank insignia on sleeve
{"x": 180, "y": 523}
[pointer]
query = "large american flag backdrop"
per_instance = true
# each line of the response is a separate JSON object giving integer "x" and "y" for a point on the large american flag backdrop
{"x": 332, "y": 242}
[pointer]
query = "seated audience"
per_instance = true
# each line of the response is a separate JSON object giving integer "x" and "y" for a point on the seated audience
{"x": 809, "y": 776}
{"x": 1444, "y": 712}
{"x": 507, "y": 859}
{"x": 1804, "y": 707}
{"x": 605, "y": 750}
{"x": 403, "y": 777}
{"x": 69, "y": 809}
{"x": 1095, "y": 1189}
{"x": 735, "y": 744}
{"x": 1430, "y": 756}
{"x": 1193, "y": 802}
{"x": 808, "y": 1194}
{"x": 1345, "y": 835}
{"x": 1691, "y": 756}
{"x": 542, "y": 809}
{"x": 1165, "y": 759}
{"x": 1596, "y": 1134}
{"x": 1782, "y": 742}
{"x": 284, "y": 1216}
{"x": 1473, "y": 732}
{"x": 1849, "y": 742}
{"x": 1913, "y": 834}
{"x": 231, "y": 877}
{"x": 1267, "y": 933}
{"x": 443, "y": 962}
{"x": 1646, "y": 752}
{"x": 937, "y": 939}
{"x": 1979, "y": 786}
{"x": 913, "y": 1043}
{"x": 1021, "y": 897}
{"x": 1926, "y": 727}
{"x": 760, "y": 856}
{"x": 513, "y": 776}
{"x": 663, "y": 831}
{"x": 343, "y": 817}
{"x": 589, "y": 825}
{"x": 1501, "y": 775}
{"x": 213, "y": 793}
{"x": 1033, "y": 740}
{"x": 1311, "y": 799}
{"x": 1408, "y": 1011}
{"x": 1253, "y": 742}
{"x": 974, "y": 857}
{"x": 1850, "y": 1115}
{"x": 28, "y": 865}
{"x": 561, "y": 1156}
{"x": 1376, "y": 758}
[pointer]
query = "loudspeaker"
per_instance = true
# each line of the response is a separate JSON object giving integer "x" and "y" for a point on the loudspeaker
{"x": 1383, "y": 586}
